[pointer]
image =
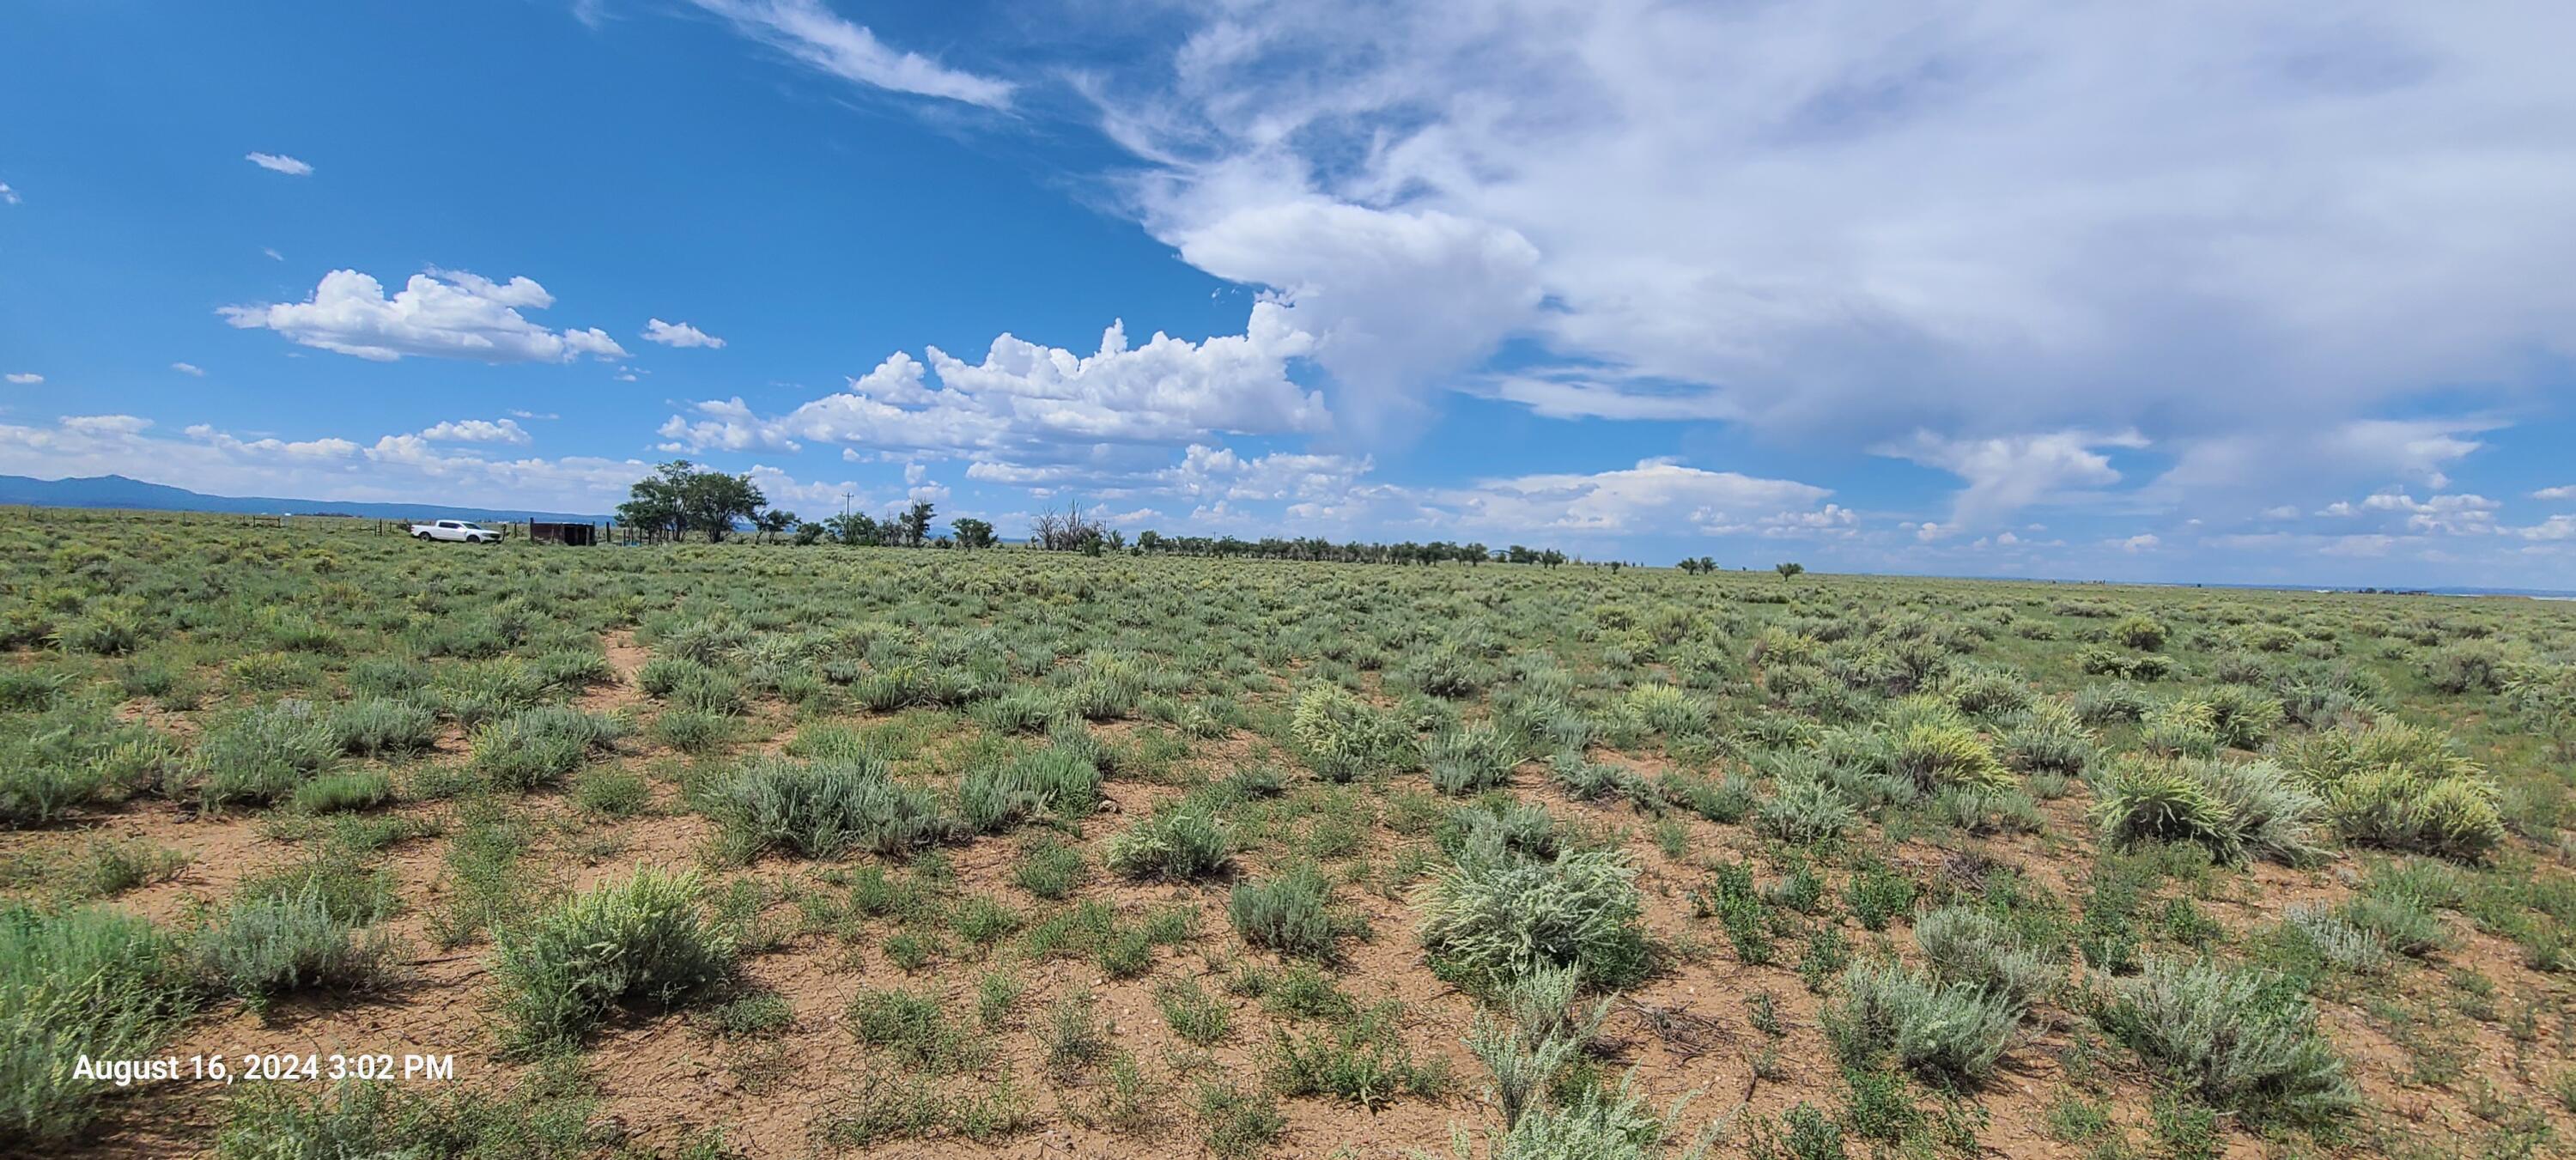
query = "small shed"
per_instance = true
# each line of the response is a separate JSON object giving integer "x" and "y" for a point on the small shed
{"x": 573, "y": 535}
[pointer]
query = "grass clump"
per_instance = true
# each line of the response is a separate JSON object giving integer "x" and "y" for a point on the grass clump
{"x": 914, "y": 1029}
{"x": 823, "y": 809}
{"x": 1236, "y": 1124}
{"x": 92, "y": 982}
{"x": 538, "y": 747}
{"x": 1470, "y": 759}
{"x": 640, "y": 942}
{"x": 1200, "y": 1019}
{"x": 334, "y": 793}
{"x": 1055, "y": 780}
{"x": 1178, "y": 844}
{"x": 1363, "y": 1060}
{"x": 1289, "y": 913}
{"x": 1050, "y": 869}
{"x": 383, "y": 726}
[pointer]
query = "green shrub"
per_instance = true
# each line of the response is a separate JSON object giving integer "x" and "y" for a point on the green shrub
{"x": 537, "y": 747}
{"x": 691, "y": 731}
{"x": 337, "y": 792}
{"x": 2470, "y": 666}
{"x": 2401, "y": 787}
{"x": 1181, "y": 844}
{"x": 1805, "y": 812}
{"x": 379, "y": 726}
{"x": 1341, "y": 737}
{"x": 1945, "y": 1032}
{"x": 1470, "y": 759}
{"x": 2099, "y": 705}
{"x": 2233, "y": 810}
{"x": 109, "y": 630}
{"x": 2047, "y": 738}
{"x": 2139, "y": 631}
{"x": 35, "y": 790}
{"x": 1049, "y": 868}
{"x": 1934, "y": 748}
{"x": 1989, "y": 693}
{"x": 2241, "y": 1042}
{"x": 1494, "y": 916}
{"x": 2242, "y": 718}
{"x": 262, "y": 754}
{"x": 1054, "y": 780}
{"x": 1968, "y": 946}
{"x": 1363, "y": 1061}
{"x": 2404, "y": 922}
{"x": 822, "y": 809}
{"x": 640, "y": 942}
{"x": 88, "y": 982}
{"x": 1235, "y": 1124}
{"x": 1288, "y": 913}
{"x": 266, "y": 945}
{"x": 1197, "y": 1017}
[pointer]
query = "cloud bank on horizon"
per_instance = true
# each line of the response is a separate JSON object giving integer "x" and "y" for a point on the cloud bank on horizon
{"x": 2229, "y": 291}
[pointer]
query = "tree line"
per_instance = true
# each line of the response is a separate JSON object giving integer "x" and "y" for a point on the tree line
{"x": 680, "y": 498}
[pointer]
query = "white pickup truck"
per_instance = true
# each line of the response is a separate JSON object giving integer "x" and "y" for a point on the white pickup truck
{"x": 461, "y": 531}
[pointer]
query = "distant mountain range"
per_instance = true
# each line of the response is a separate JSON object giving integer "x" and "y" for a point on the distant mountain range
{"x": 116, "y": 491}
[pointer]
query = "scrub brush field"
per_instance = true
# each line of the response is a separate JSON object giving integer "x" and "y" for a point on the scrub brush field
{"x": 393, "y": 848}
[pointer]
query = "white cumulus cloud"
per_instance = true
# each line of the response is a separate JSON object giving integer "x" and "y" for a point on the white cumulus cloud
{"x": 439, "y": 314}
{"x": 2008, "y": 473}
{"x": 1025, "y": 400}
{"x": 477, "y": 431}
{"x": 679, "y": 334}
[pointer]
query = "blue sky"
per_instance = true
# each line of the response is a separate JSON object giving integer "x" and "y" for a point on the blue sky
{"x": 2230, "y": 292}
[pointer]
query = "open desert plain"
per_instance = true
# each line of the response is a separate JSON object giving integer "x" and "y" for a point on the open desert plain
{"x": 771, "y": 850}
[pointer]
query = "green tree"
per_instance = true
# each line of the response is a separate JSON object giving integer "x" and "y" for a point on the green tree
{"x": 916, "y": 523}
{"x": 679, "y": 498}
{"x": 1788, "y": 570}
{"x": 972, "y": 532}
{"x": 809, "y": 532}
{"x": 773, "y": 522}
{"x": 852, "y": 528}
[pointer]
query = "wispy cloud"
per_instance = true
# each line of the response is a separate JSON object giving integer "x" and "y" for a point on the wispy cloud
{"x": 279, "y": 163}
{"x": 815, "y": 35}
